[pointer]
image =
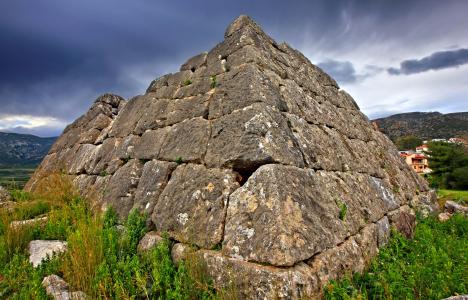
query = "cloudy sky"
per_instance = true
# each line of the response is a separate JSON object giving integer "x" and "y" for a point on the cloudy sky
{"x": 57, "y": 56}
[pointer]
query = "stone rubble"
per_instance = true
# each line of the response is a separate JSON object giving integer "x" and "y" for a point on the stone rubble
{"x": 40, "y": 250}
{"x": 4, "y": 195}
{"x": 149, "y": 241}
{"x": 453, "y": 207}
{"x": 58, "y": 289}
{"x": 30, "y": 222}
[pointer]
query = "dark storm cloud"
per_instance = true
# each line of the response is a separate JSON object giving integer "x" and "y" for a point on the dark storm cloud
{"x": 57, "y": 56}
{"x": 341, "y": 71}
{"x": 345, "y": 73}
{"x": 435, "y": 61}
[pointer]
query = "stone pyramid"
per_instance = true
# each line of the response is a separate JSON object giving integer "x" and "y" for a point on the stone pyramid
{"x": 255, "y": 157}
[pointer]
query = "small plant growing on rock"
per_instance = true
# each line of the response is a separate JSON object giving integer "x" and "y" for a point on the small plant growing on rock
{"x": 187, "y": 82}
{"x": 343, "y": 209}
{"x": 103, "y": 173}
{"x": 179, "y": 160}
{"x": 213, "y": 81}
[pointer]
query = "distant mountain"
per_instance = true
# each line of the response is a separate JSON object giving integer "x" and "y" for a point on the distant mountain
{"x": 425, "y": 125}
{"x": 23, "y": 149}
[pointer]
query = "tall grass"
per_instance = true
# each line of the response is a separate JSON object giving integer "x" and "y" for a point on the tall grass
{"x": 101, "y": 259}
{"x": 431, "y": 266}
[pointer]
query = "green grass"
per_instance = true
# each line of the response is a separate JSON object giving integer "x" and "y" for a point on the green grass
{"x": 431, "y": 266}
{"x": 15, "y": 177}
{"x": 101, "y": 260}
{"x": 457, "y": 196}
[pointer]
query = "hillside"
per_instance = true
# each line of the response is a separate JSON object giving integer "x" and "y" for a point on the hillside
{"x": 425, "y": 125}
{"x": 23, "y": 149}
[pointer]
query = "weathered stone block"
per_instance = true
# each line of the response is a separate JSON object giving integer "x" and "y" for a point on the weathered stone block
{"x": 254, "y": 281}
{"x": 40, "y": 250}
{"x": 243, "y": 87}
{"x": 150, "y": 144}
{"x": 119, "y": 191}
{"x": 154, "y": 178}
{"x": 186, "y": 141}
{"x": 195, "y": 62}
{"x": 251, "y": 137}
{"x": 192, "y": 207}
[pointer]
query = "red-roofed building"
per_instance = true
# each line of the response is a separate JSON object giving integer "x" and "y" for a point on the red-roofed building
{"x": 417, "y": 161}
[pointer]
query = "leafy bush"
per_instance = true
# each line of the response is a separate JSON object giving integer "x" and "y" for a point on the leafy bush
{"x": 431, "y": 266}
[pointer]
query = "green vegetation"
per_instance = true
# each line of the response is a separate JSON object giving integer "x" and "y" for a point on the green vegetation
{"x": 409, "y": 142}
{"x": 101, "y": 260}
{"x": 449, "y": 164}
{"x": 179, "y": 160}
{"x": 15, "y": 177}
{"x": 187, "y": 82}
{"x": 343, "y": 209}
{"x": 453, "y": 195}
{"x": 431, "y": 266}
{"x": 213, "y": 81}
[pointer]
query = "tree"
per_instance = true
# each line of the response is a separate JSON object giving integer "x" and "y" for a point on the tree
{"x": 408, "y": 142}
{"x": 449, "y": 165}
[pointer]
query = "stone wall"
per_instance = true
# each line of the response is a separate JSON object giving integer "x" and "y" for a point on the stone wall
{"x": 253, "y": 151}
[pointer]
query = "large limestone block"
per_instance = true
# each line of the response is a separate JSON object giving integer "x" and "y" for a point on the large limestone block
{"x": 353, "y": 255}
{"x": 121, "y": 187}
{"x": 195, "y": 62}
{"x": 250, "y": 137}
{"x": 193, "y": 205}
{"x": 154, "y": 178}
{"x": 280, "y": 216}
{"x": 253, "y": 281}
{"x": 187, "y": 108}
{"x": 154, "y": 116}
{"x": 79, "y": 156}
{"x": 128, "y": 118}
{"x": 284, "y": 214}
{"x": 199, "y": 86}
{"x": 243, "y": 87}
{"x": 105, "y": 160}
{"x": 150, "y": 143}
{"x": 186, "y": 141}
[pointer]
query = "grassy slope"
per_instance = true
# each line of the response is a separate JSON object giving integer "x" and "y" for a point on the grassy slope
{"x": 457, "y": 196}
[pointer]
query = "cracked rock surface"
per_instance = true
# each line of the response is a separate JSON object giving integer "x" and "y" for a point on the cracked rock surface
{"x": 255, "y": 157}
